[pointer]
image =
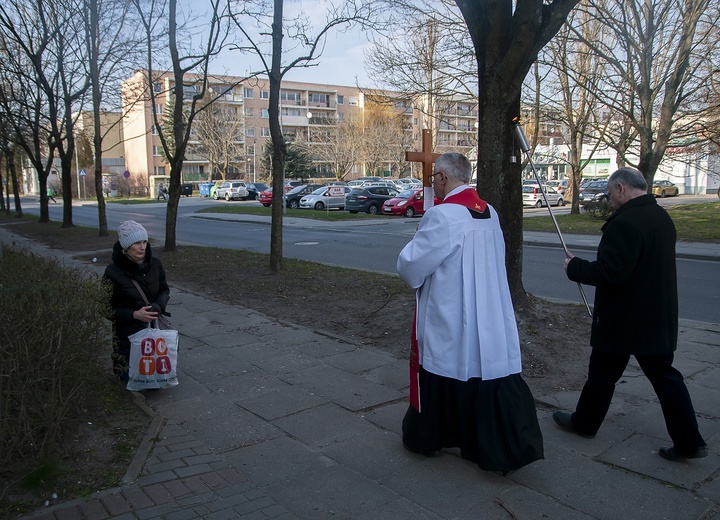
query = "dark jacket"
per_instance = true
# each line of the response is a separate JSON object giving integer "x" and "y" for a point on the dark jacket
{"x": 636, "y": 303}
{"x": 126, "y": 299}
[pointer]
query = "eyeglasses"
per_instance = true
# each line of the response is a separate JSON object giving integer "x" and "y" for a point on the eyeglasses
{"x": 436, "y": 173}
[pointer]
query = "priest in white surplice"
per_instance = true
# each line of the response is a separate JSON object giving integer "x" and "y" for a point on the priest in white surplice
{"x": 466, "y": 390}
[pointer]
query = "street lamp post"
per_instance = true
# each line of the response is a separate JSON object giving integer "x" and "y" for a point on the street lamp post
{"x": 254, "y": 162}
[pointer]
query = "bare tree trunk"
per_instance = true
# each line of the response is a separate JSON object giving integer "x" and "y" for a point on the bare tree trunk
{"x": 278, "y": 141}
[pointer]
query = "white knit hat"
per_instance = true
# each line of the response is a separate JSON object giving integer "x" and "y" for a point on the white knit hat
{"x": 130, "y": 232}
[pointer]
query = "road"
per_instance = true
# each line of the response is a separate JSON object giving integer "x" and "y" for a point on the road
{"x": 376, "y": 246}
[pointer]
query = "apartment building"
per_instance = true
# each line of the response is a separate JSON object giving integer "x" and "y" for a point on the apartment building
{"x": 309, "y": 112}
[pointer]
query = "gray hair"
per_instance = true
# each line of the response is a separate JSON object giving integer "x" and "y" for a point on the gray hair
{"x": 455, "y": 165}
{"x": 629, "y": 177}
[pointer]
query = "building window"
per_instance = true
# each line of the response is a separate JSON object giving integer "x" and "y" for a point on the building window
{"x": 156, "y": 151}
{"x": 352, "y": 101}
{"x": 289, "y": 96}
{"x": 264, "y": 113}
{"x": 250, "y": 131}
{"x": 159, "y": 170}
{"x": 248, "y": 93}
{"x": 158, "y": 109}
{"x": 341, "y": 99}
{"x": 295, "y": 112}
{"x": 265, "y": 132}
{"x": 157, "y": 87}
{"x": 415, "y": 121}
{"x": 264, "y": 94}
{"x": 318, "y": 98}
{"x": 155, "y": 130}
{"x": 249, "y": 112}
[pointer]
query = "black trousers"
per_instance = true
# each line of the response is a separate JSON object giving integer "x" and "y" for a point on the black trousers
{"x": 606, "y": 369}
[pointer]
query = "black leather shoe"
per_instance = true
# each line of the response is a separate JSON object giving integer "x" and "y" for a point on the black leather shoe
{"x": 563, "y": 419}
{"x": 674, "y": 455}
{"x": 435, "y": 453}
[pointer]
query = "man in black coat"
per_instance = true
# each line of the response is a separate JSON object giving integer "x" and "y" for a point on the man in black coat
{"x": 635, "y": 313}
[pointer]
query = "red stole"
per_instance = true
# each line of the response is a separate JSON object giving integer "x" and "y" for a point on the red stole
{"x": 470, "y": 199}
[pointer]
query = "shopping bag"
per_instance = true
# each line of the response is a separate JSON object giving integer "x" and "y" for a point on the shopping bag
{"x": 153, "y": 359}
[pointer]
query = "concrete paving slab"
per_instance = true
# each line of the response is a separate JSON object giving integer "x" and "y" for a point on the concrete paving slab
{"x": 606, "y": 492}
{"x": 222, "y": 425}
{"x": 245, "y": 384}
{"x": 376, "y": 454}
{"x": 281, "y": 401}
{"x": 388, "y": 417}
{"x": 710, "y": 378}
{"x": 335, "y": 493}
{"x": 206, "y": 363}
{"x": 322, "y": 346}
{"x": 447, "y": 485}
{"x": 324, "y": 425}
{"x": 277, "y": 460}
{"x": 639, "y": 454}
{"x": 359, "y": 360}
{"x": 393, "y": 375}
{"x": 400, "y": 509}
{"x": 521, "y": 502}
{"x": 348, "y": 390}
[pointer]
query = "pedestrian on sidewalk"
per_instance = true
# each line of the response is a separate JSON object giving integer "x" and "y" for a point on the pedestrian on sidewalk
{"x": 635, "y": 313}
{"x": 50, "y": 193}
{"x": 466, "y": 389}
{"x": 132, "y": 259}
{"x": 161, "y": 192}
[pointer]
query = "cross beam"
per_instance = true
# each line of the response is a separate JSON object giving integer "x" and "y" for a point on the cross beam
{"x": 426, "y": 157}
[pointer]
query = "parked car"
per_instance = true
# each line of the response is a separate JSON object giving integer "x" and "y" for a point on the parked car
{"x": 560, "y": 186}
{"x": 369, "y": 200}
{"x": 596, "y": 191}
{"x": 232, "y": 190}
{"x": 289, "y": 185}
{"x": 265, "y": 197}
{"x": 408, "y": 203}
{"x": 533, "y": 197}
{"x": 292, "y": 197}
{"x": 254, "y": 188}
{"x": 664, "y": 189}
{"x": 321, "y": 200}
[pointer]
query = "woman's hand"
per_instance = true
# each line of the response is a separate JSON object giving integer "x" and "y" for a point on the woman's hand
{"x": 145, "y": 314}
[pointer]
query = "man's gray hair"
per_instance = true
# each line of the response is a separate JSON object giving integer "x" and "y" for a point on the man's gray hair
{"x": 629, "y": 177}
{"x": 455, "y": 165}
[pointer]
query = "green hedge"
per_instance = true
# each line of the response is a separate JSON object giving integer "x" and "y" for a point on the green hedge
{"x": 53, "y": 340}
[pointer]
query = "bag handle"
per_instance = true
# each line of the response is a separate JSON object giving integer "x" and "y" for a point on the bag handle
{"x": 142, "y": 293}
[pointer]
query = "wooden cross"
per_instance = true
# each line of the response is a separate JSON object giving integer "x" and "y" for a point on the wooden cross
{"x": 426, "y": 157}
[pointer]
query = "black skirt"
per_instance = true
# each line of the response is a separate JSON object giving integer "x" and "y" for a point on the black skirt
{"x": 494, "y": 423}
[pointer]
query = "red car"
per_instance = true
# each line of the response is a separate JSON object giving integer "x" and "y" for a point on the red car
{"x": 408, "y": 203}
{"x": 265, "y": 197}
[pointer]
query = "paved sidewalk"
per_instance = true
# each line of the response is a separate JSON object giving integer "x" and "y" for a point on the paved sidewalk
{"x": 274, "y": 420}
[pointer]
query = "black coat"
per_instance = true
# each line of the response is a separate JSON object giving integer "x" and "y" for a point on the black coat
{"x": 126, "y": 299}
{"x": 636, "y": 303}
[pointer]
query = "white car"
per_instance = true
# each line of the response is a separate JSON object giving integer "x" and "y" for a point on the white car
{"x": 232, "y": 190}
{"x": 320, "y": 200}
{"x": 532, "y": 197}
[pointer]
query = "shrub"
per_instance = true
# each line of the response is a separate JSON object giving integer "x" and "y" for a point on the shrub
{"x": 53, "y": 335}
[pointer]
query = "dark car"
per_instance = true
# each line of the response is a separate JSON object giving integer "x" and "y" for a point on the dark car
{"x": 292, "y": 197}
{"x": 370, "y": 199}
{"x": 254, "y": 188}
{"x": 596, "y": 191}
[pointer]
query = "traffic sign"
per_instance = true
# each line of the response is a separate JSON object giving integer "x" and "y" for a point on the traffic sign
{"x": 126, "y": 174}
{"x": 82, "y": 173}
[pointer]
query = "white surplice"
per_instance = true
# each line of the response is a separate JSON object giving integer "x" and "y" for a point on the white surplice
{"x": 465, "y": 320}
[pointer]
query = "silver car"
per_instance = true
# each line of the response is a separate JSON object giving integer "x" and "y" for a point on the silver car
{"x": 532, "y": 196}
{"x": 232, "y": 190}
{"x": 320, "y": 199}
